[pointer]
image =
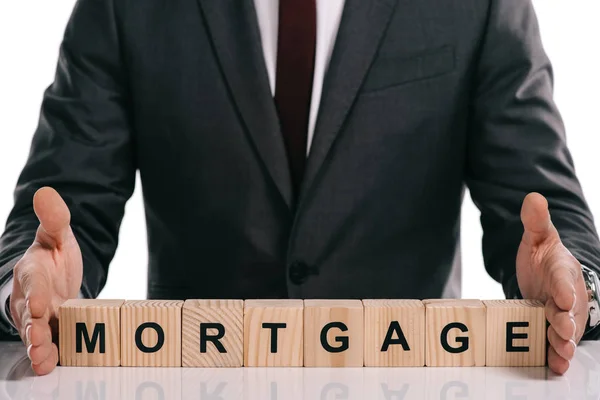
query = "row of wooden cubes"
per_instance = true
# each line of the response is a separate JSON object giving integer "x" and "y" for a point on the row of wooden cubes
{"x": 296, "y": 333}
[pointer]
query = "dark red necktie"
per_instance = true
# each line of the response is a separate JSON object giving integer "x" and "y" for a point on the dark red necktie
{"x": 294, "y": 77}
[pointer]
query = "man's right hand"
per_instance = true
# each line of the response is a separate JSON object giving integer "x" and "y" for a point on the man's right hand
{"x": 49, "y": 273}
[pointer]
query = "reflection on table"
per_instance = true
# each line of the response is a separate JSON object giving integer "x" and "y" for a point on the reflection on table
{"x": 582, "y": 382}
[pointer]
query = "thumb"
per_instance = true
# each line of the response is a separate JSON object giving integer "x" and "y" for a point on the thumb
{"x": 536, "y": 220}
{"x": 54, "y": 217}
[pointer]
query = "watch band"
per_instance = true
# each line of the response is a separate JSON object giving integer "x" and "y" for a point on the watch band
{"x": 592, "y": 284}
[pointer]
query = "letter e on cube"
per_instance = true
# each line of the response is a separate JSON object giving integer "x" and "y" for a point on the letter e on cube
{"x": 516, "y": 333}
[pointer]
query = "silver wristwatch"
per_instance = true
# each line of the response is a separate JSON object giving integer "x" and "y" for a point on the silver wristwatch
{"x": 592, "y": 285}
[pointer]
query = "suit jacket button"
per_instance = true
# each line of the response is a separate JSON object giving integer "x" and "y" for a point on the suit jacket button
{"x": 299, "y": 272}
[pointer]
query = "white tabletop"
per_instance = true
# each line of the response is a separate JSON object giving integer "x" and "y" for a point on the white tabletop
{"x": 582, "y": 382}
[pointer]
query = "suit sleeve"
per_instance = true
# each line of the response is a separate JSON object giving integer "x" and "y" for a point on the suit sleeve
{"x": 517, "y": 144}
{"x": 82, "y": 146}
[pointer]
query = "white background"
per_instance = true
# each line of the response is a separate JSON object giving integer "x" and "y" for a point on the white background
{"x": 30, "y": 34}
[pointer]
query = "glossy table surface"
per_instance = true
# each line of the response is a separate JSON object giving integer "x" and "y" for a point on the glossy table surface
{"x": 581, "y": 382}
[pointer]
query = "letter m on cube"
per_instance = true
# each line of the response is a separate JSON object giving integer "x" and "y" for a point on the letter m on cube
{"x": 98, "y": 338}
{"x": 89, "y": 333}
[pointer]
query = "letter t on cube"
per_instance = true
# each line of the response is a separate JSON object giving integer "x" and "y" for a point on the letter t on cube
{"x": 89, "y": 333}
{"x": 273, "y": 333}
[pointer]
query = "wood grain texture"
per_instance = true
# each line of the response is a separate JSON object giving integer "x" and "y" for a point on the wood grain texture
{"x": 258, "y": 340}
{"x": 318, "y": 314}
{"x": 474, "y": 302}
{"x": 409, "y": 315}
{"x": 440, "y": 313}
{"x": 229, "y": 313}
{"x": 90, "y": 312}
{"x": 165, "y": 313}
{"x": 517, "y": 352}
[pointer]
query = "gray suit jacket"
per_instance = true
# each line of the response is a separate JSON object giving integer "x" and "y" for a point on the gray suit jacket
{"x": 420, "y": 98}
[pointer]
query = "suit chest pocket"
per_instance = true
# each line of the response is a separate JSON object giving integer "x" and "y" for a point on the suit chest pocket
{"x": 389, "y": 71}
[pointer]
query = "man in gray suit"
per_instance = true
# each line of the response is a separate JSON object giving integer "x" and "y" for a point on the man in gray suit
{"x": 300, "y": 149}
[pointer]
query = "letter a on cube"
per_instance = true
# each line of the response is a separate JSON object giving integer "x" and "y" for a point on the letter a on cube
{"x": 455, "y": 333}
{"x": 89, "y": 333}
{"x": 516, "y": 333}
{"x": 151, "y": 333}
{"x": 213, "y": 333}
{"x": 394, "y": 333}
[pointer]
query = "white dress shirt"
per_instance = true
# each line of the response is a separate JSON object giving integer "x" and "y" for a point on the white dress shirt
{"x": 329, "y": 15}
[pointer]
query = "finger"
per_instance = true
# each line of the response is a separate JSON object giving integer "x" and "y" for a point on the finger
{"x": 561, "y": 321}
{"x": 39, "y": 354}
{"x": 562, "y": 286}
{"x": 54, "y": 217}
{"x": 19, "y": 311}
{"x": 564, "y": 348}
{"x": 48, "y": 364}
{"x": 35, "y": 285}
{"x": 536, "y": 220}
{"x": 38, "y": 333}
{"x": 556, "y": 363}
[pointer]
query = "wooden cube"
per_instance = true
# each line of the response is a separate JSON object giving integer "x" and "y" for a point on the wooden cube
{"x": 273, "y": 333}
{"x": 455, "y": 333}
{"x": 89, "y": 333}
{"x": 394, "y": 333}
{"x": 151, "y": 333}
{"x": 516, "y": 333}
{"x": 333, "y": 333}
{"x": 212, "y": 333}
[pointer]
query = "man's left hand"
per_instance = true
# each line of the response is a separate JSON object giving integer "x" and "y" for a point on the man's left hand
{"x": 548, "y": 272}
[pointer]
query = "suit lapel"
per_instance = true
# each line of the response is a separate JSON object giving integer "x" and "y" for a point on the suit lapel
{"x": 234, "y": 31}
{"x": 361, "y": 29}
